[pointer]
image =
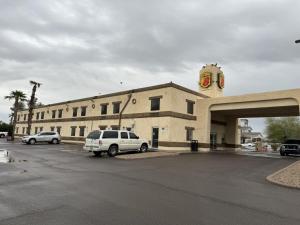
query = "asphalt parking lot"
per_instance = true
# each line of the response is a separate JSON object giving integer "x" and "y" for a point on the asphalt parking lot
{"x": 60, "y": 184}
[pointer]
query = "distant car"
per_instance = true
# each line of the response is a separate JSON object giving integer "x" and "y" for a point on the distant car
{"x": 113, "y": 142}
{"x": 248, "y": 145}
{"x": 3, "y": 134}
{"x": 290, "y": 146}
{"x": 50, "y": 137}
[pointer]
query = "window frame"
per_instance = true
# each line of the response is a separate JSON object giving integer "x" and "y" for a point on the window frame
{"x": 75, "y": 109}
{"x": 104, "y": 106}
{"x": 83, "y": 110}
{"x": 190, "y": 106}
{"x": 153, "y": 106}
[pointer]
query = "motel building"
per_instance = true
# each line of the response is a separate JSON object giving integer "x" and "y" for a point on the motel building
{"x": 169, "y": 116}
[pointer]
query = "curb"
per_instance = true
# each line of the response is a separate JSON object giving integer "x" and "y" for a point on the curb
{"x": 271, "y": 180}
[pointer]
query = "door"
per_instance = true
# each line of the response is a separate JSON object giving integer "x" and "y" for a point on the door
{"x": 155, "y": 135}
{"x": 134, "y": 141}
{"x": 213, "y": 140}
{"x": 124, "y": 141}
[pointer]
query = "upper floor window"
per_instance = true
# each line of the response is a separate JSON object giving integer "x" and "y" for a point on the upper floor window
{"x": 53, "y": 114}
{"x": 75, "y": 111}
{"x": 18, "y": 119}
{"x": 37, "y": 116}
{"x": 190, "y": 106}
{"x": 104, "y": 109}
{"x": 42, "y": 115}
{"x": 25, "y": 117}
{"x": 60, "y": 111}
{"x": 83, "y": 111}
{"x": 155, "y": 103}
{"x": 116, "y": 107}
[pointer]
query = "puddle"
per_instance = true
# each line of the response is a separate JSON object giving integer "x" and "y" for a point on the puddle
{"x": 5, "y": 156}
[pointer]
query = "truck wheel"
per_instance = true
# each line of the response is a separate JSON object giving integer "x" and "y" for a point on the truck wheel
{"x": 113, "y": 151}
{"x": 144, "y": 148}
{"x": 32, "y": 141}
{"x": 282, "y": 153}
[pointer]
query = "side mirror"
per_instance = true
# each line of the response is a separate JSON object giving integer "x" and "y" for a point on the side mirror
{"x": 138, "y": 137}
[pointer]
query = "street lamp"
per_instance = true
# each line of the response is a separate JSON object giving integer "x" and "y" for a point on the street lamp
{"x": 297, "y": 41}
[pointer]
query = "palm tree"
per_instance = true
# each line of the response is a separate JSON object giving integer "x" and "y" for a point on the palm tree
{"x": 17, "y": 96}
{"x": 21, "y": 106}
{"x": 32, "y": 103}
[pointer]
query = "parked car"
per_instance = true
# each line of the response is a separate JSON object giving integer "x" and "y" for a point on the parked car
{"x": 3, "y": 134}
{"x": 248, "y": 147}
{"x": 50, "y": 137}
{"x": 291, "y": 146}
{"x": 113, "y": 142}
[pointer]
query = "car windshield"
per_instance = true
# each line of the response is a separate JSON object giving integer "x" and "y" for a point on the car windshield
{"x": 94, "y": 135}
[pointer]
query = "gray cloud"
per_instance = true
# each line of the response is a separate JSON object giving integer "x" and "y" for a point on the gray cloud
{"x": 82, "y": 48}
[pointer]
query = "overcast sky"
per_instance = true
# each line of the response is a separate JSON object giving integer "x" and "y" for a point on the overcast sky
{"x": 83, "y": 48}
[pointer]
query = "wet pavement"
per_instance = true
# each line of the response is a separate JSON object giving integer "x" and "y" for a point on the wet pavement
{"x": 60, "y": 184}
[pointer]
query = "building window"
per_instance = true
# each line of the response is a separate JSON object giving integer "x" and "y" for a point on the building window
{"x": 23, "y": 130}
{"x": 83, "y": 111}
{"x": 42, "y": 115}
{"x": 75, "y": 110}
{"x": 189, "y": 133}
{"x": 41, "y": 129}
{"x": 102, "y": 127}
{"x": 17, "y": 130}
{"x": 155, "y": 103}
{"x": 52, "y": 128}
{"x": 25, "y": 117}
{"x": 36, "y": 130}
{"x": 190, "y": 106}
{"x": 114, "y": 127}
{"x": 81, "y": 131}
{"x": 60, "y": 111}
{"x": 53, "y": 114}
{"x": 116, "y": 107}
{"x": 37, "y": 116}
{"x": 58, "y": 129}
{"x": 73, "y": 131}
{"x": 18, "y": 119}
{"x": 104, "y": 109}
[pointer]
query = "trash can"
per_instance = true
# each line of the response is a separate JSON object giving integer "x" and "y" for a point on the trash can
{"x": 194, "y": 145}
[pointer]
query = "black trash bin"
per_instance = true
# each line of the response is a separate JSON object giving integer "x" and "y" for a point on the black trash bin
{"x": 194, "y": 145}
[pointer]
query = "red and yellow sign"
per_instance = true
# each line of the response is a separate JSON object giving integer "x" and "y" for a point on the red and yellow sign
{"x": 205, "y": 79}
{"x": 221, "y": 80}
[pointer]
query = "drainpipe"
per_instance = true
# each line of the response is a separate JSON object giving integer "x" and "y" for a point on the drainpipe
{"x": 123, "y": 109}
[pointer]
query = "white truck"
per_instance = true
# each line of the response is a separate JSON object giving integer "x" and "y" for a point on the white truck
{"x": 113, "y": 142}
{"x": 3, "y": 134}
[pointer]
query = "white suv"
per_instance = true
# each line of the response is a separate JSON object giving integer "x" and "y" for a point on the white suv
{"x": 113, "y": 141}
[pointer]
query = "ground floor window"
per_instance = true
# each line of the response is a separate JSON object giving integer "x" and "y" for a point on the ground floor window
{"x": 58, "y": 129}
{"x": 81, "y": 131}
{"x": 52, "y": 128}
{"x": 189, "y": 133}
{"x": 23, "y": 130}
{"x": 102, "y": 127}
{"x": 36, "y": 130}
{"x": 114, "y": 127}
{"x": 17, "y": 130}
{"x": 41, "y": 129}
{"x": 73, "y": 131}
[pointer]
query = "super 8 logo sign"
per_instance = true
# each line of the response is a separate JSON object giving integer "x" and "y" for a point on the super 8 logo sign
{"x": 205, "y": 79}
